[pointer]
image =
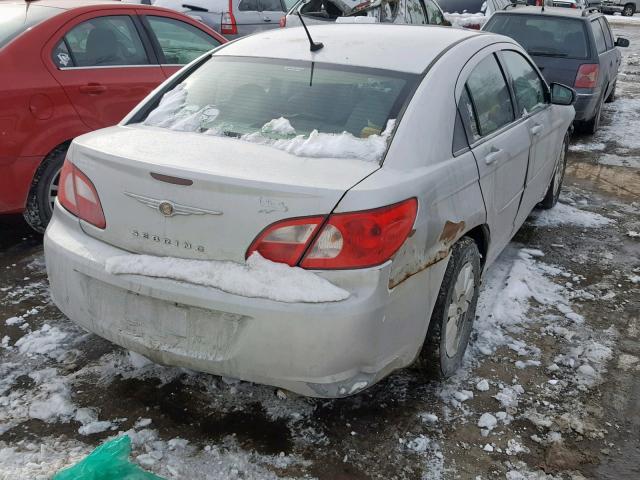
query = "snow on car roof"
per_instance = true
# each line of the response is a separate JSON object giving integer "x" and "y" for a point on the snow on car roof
{"x": 403, "y": 48}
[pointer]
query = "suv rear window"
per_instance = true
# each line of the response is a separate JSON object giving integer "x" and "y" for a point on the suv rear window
{"x": 281, "y": 99}
{"x": 543, "y": 35}
{"x": 17, "y": 18}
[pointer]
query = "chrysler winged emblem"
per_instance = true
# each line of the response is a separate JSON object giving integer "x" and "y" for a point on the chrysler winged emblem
{"x": 168, "y": 208}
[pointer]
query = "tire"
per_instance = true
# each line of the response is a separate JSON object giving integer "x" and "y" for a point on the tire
{"x": 44, "y": 189}
{"x": 555, "y": 184}
{"x": 628, "y": 10}
{"x": 591, "y": 126}
{"x": 612, "y": 95}
{"x": 442, "y": 353}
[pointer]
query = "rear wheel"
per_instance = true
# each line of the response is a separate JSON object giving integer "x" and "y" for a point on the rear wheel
{"x": 44, "y": 190}
{"x": 555, "y": 185}
{"x": 454, "y": 311}
{"x": 612, "y": 95}
{"x": 591, "y": 126}
{"x": 628, "y": 10}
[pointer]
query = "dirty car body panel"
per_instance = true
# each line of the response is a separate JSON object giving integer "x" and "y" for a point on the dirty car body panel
{"x": 327, "y": 349}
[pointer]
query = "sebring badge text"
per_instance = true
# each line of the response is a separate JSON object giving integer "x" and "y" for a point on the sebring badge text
{"x": 167, "y": 241}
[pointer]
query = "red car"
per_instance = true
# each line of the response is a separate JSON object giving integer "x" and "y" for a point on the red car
{"x": 69, "y": 67}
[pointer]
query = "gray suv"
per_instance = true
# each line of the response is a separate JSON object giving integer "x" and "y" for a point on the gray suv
{"x": 569, "y": 46}
{"x": 233, "y": 18}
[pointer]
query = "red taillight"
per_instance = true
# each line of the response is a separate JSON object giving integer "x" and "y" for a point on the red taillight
{"x": 587, "y": 76}
{"x": 228, "y": 25}
{"x": 473, "y": 26}
{"x": 573, "y": 5}
{"x": 346, "y": 240}
{"x": 78, "y": 195}
{"x": 283, "y": 21}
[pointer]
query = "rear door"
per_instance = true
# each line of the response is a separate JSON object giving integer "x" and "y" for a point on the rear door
{"x": 105, "y": 65}
{"x": 499, "y": 142}
{"x": 175, "y": 41}
{"x": 534, "y": 109}
{"x": 605, "y": 57}
{"x": 613, "y": 54}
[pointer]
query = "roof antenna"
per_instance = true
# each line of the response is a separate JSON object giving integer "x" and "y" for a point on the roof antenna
{"x": 313, "y": 46}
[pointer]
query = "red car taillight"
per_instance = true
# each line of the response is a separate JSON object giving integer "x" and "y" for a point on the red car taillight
{"x": 78, "y": 195}
{"x": 283, "y": 21}
{"x": 345, "y": 240}
{"x": 228, "y": 25}
{"x": 587, "y": 76}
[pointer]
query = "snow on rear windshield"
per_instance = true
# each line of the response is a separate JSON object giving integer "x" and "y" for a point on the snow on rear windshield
{"x": 313, "y": 110}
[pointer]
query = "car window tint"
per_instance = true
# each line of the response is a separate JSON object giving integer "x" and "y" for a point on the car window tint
{"x": 180, "y": 42}
{"x": 106, "y": 41}
{"x": 248, "y": 6}
{"x": 415, "y": 13}
{"x": 468, "y": 116}
{"x": 389, "y": 10}
{"x": 599, "y": 36}
{"x": 490, "y": 96}
{"x": 61, "y": 56}
{"x": 539, "y": 35}
{"x": 526, "y": 83}
{"x": 270, "y": 5}
{"x": 608, "y": 38}
{"x": 434, "y": 13}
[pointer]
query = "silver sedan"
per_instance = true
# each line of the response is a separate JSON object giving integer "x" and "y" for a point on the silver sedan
{"x": 307, "y": 219}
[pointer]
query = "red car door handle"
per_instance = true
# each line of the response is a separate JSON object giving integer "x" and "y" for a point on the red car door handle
{"x": 92, "y": 88}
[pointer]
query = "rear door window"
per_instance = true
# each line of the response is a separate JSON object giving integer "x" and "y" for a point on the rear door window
{"x": 180, "y": 42}
{"x": 490, "y": 96}
{"x": 270, "y": 6}
{"x": 248, "y": 6}
{"x": 608, "y": 38}
{"x": 527, "y": 85}
{"x": 601, "y": 46}
{"x": 389, "y": 10}
{"x": 416, "y": 14}
{"x": 543, "y": 36}
{"x": 434, "y": 13}
{"x": 101, "y": 42}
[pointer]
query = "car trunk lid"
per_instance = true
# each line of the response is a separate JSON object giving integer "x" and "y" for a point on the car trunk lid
{"x": 191, "y": 195}
{"x": 558, "y": 69}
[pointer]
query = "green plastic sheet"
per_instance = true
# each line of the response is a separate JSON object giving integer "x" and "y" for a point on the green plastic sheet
{"x": 110, "y": 461}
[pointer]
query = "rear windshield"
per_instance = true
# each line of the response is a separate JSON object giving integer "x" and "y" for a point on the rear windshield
{"x": 543, "y": 35}
{"x": 287, "y": 104}
{"x": 463, "y": 6}
{"x": 17, "y": 18}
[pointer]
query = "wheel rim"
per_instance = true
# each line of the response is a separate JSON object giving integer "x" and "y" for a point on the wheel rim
{"x": 462, "y": 295}
{"x": 628, "y": 11}
{"x": 557, "y": 176}
{"x": 53, "y": 189}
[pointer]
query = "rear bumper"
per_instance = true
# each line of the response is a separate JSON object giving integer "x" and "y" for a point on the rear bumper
{"x": 585, "y": 106}
{"x": 15, "y": 180}
{"x": 323, "y": 350}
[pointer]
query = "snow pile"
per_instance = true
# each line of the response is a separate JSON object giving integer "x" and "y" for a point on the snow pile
{"x": 38, "y": 461}
{"x": 563, "y": 214}
{"x": 466, "y": 20}
{"x": 280, "y": 126}
{"x": 259, "y": 278}
{"x": 45, "y": 341}
{"x": 329, "y": 145}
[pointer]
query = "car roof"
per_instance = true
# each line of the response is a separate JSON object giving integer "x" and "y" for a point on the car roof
{"x": 549, "y": 11}
{"x": 69, "y": 4}
{"x": 365, "y": 45}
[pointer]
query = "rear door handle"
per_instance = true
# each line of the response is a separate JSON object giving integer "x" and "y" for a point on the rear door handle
{"x": 93, "y": 88}
{"x": 495, "y": 154}
{"x": 536, "y": 129}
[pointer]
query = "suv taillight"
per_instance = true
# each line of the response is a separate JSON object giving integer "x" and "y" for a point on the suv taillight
{"x": 228, "y": 25}
{"x": 343, "y": 240}
{"x": 78, "y": 195}
{"x": 587, "y": 76}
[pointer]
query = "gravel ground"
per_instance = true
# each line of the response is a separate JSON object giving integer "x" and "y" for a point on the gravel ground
{"x": 550, "y": 387}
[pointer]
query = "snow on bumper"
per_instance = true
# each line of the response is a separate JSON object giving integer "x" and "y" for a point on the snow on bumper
{"x": 324, "y": 349}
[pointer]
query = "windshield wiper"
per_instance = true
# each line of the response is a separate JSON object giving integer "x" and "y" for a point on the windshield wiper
{"x": 546, "y": 54}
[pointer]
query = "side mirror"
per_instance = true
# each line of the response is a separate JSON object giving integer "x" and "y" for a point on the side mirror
{"x": 562, "y": 95}
{"x": 622, "y": 42}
